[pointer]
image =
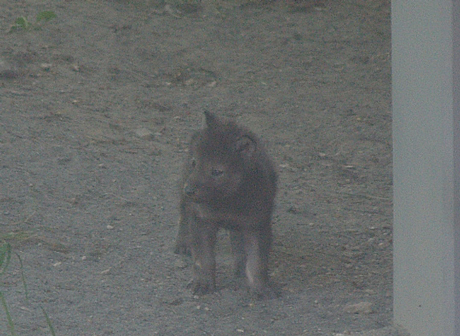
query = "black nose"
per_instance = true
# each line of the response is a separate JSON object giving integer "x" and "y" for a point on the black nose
{"x": 188, "y": 190}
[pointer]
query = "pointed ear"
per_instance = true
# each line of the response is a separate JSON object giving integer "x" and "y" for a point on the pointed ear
{"x": 245, "y": 145}
{"x": 210, "y": 119}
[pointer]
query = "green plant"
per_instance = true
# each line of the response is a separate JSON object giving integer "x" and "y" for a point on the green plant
{"x": 22, "y": 23}
{"x": 5, "y": 258}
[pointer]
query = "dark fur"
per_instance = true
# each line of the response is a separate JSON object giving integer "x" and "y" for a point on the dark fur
{"x": 229, "y": 182}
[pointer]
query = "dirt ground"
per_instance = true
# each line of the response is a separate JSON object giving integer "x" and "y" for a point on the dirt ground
{"x": 96, "y": 107}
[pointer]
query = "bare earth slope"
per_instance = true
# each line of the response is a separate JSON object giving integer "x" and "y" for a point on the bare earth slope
{"x": 95, "y": 112}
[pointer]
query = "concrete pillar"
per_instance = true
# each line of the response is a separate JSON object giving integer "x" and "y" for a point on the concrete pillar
{"x": 426, "y": 137}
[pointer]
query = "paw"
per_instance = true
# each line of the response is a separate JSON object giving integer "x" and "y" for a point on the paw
{"x": 202, "y": 287}
{"x": 264, "y": 293}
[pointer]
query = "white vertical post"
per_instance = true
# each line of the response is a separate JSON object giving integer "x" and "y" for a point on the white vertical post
{"x": 426, "y": 138}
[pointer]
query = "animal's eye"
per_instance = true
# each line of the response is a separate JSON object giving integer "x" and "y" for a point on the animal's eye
{"x": 217, "y": 172}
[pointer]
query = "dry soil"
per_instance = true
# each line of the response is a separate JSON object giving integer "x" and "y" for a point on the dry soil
{"x": 96, "y": 107}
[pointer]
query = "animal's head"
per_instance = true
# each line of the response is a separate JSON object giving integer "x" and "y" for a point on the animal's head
{"x": 219, "y": 157}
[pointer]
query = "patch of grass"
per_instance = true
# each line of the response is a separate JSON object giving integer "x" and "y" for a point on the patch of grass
{"x": 48, "y": 321}
{"x": 26, "y": 292}
{"x": 22, "y": 23}
{"x": 8, "y": 315}
{"x": 14, "y": 237}
{"x": 5, "y": 258}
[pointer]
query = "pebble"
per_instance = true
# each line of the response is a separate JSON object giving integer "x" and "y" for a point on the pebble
{"x": 358, "y": 308}
{"x": 179, "y": 263}
{"x": 46, "y": 66}
{"x": 7, "y": 70}
{"x": 143, "y": 133}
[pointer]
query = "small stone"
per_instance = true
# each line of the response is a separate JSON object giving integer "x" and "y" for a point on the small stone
{"x": 293, "y": 209}
{"x": 45, "y": 66}
{"x": 190, "y": 82}
{"x": 143, "y": 133}
{"x": 8, "y": 70}
{"x": 180, "y": 263}
{"x": 358, "y": 308}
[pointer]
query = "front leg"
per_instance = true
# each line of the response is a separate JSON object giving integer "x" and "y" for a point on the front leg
{"x": 183, "y": 235}
{"x": 257, "y": 245}
{"x": 203, "y": 241}
{"x": 239, "y": 254}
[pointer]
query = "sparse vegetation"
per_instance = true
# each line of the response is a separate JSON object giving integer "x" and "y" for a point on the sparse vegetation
{"x": 22, "y": 23}
{"x": 5, "y": 258}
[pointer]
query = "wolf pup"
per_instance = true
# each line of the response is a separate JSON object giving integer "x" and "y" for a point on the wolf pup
{"x": 229, "y": 182}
